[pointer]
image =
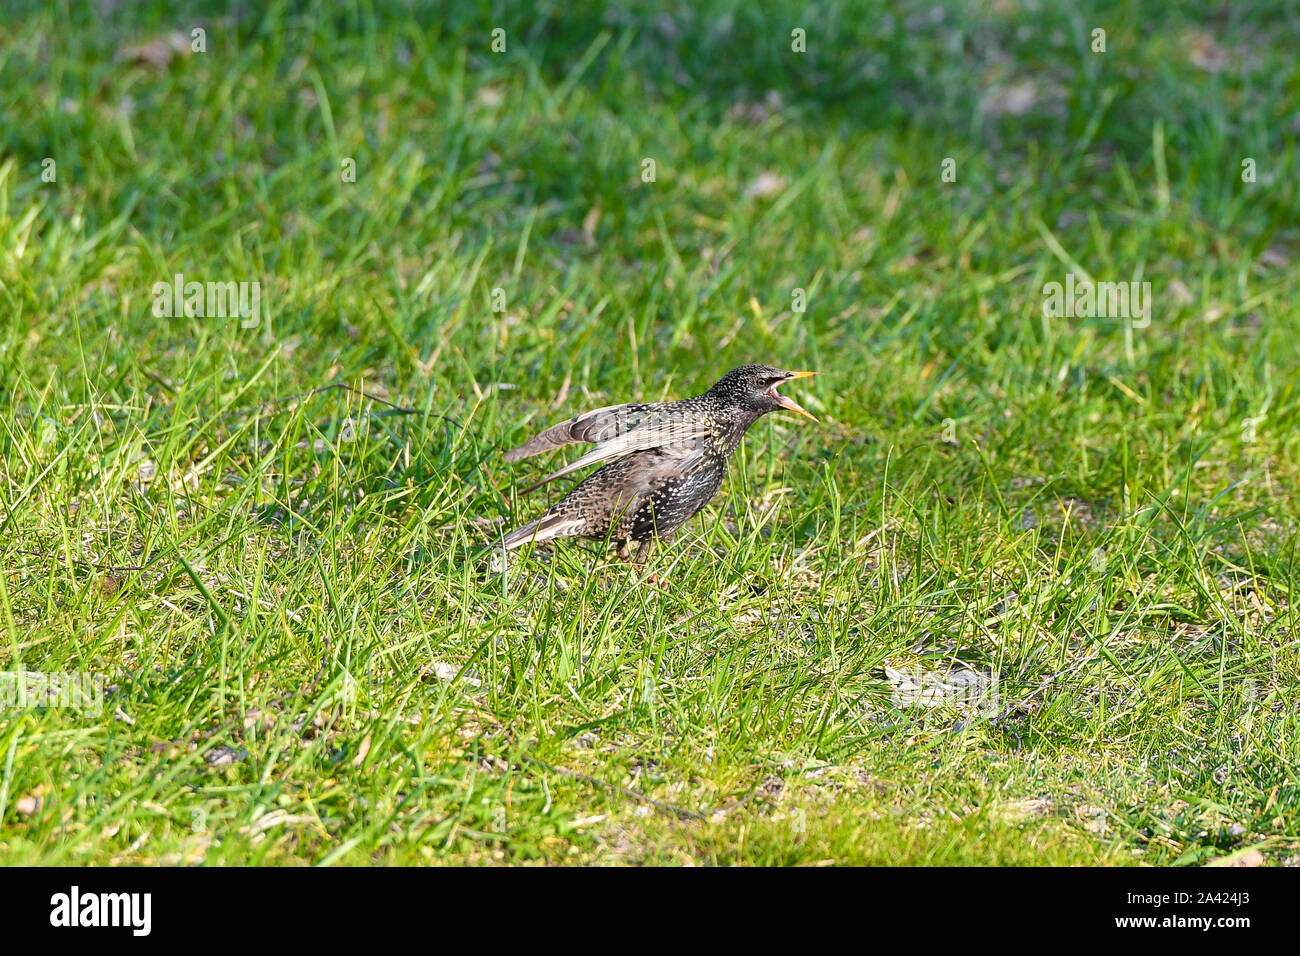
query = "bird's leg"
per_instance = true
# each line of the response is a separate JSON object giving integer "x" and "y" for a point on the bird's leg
{"x": 643, "y": 551}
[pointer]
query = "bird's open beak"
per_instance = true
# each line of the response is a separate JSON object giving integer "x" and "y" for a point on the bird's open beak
{"x": 789, "y": 404}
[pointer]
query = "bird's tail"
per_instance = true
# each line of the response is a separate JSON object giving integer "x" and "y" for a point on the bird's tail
{"x": 545, "y": 528}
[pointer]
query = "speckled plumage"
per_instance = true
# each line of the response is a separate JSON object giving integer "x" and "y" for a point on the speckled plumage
{"x": 666, "y": 460}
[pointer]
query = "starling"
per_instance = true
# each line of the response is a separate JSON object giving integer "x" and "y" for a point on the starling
{"x": 666, "y": 460}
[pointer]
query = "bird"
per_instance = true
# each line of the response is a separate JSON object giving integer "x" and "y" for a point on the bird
{"x": 664, "y": 461}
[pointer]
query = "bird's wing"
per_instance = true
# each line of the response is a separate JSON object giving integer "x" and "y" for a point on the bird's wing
{"x": 638, "y": 439}
{"x": 620, "y": 430}
{"x": 597, "y": 425}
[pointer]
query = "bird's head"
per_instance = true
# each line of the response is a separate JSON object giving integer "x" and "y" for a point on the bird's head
{"x": 754, "y": 388}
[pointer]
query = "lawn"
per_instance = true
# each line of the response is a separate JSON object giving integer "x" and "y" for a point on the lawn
{"x": 1024, "y": 596}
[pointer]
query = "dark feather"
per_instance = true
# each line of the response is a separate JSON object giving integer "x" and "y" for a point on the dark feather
{"x": 599, "y": 424}
{"x": 620, "y": 430}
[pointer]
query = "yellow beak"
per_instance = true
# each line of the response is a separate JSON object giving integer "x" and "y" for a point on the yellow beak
{"x": 790, "y": 404}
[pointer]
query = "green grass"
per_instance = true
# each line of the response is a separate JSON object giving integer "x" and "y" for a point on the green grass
{"x": 308, "y": 657}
